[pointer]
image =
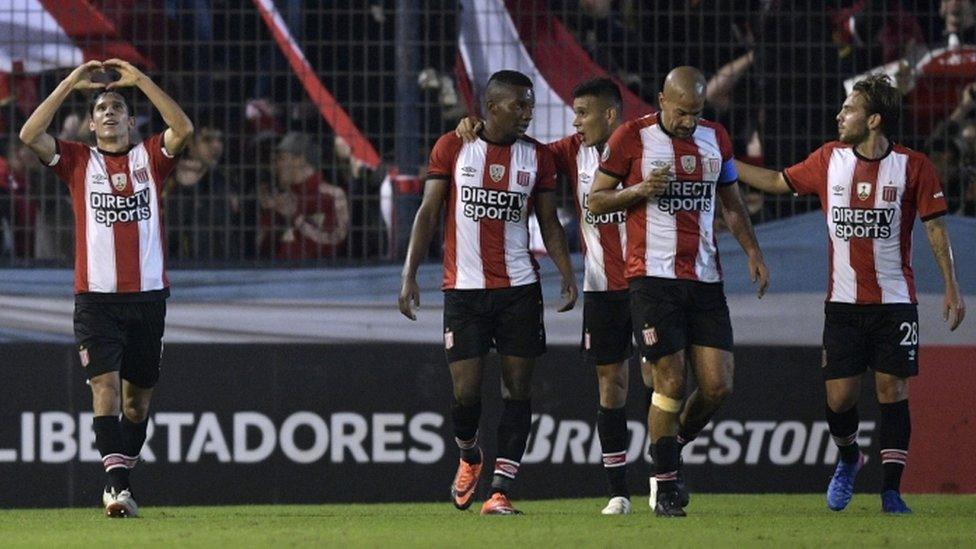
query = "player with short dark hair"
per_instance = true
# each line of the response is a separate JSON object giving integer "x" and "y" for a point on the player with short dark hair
{"x": 492, "y": 296}
{"x": 120, "y": 278}
{"x": 606, "y": 337}
{"x": 871, "y": 189}
{"x": 672, "y": 165}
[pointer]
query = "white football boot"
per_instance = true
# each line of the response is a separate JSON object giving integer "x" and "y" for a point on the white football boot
{"x": 617, "y": 505}
{"x": 119, "y": 504}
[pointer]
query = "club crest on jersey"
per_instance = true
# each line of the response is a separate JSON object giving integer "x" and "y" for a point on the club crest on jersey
{"x": 523, "y": 178}
{"x": 83, "y": 355}
{"x": 141, "y": 175}
{"x": 689, "y": 163}
{"x": 119, "y": 181}
{"x": 650, "y": 336}
{"x": 889, "y": 194}
{"x": 863, "y": 190}
{"x": 496, "y": 172}
{"x": 712, "y": 164}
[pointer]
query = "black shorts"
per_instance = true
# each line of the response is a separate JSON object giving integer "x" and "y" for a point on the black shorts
{"x": 881, "y": 337}
{"x": 606, "y": 327}
{"x": 671, "y": 314}
{"x": 121, "y": 337}
{"x": 509, "y": 319}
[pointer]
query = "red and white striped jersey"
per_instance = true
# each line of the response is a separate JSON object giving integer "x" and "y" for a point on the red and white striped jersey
{"x": 486, "y": 231}
{"x": 870, "y": 206}
{"x": 118, "y": 224}
{"x": 672, "y": 236}
{"x": 604, "y": 236}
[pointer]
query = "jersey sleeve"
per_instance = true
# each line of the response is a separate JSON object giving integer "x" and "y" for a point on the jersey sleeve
{"x": 928, "y": 191}
{"x": 443, "y": 156}
{"x": 622, "y": 147}
{"x": 546, "y": 175}
{"x": 728, "y": 175}
{"x": 160, "y": 160}
{"x": 810, "y": 175}
{"x": 68, "y": 157}
{"x": 563, "y": 151}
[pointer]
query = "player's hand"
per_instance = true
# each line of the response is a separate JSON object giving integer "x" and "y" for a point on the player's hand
{"x": 81, "y": 77}
{"x": 128, "y": 75}
{"x": 569, "y": 294}
{"x": 759, "y": 273}
{"x": 656, "y": 183}
{"x": 468, "y": 128}
{"x": 409, "y": 297}
{"x": 953, "y": 307}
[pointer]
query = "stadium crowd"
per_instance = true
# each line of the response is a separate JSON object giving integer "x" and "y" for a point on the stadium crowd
{"x": 771, "y": 64}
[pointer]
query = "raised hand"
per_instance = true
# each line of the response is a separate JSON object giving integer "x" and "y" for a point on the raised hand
{"x": 81, "y": 77}
{"x": 128, "y": 74}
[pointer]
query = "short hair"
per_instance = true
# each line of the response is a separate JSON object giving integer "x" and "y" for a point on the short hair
{"x": 880, "y": 97}
{"x": 510, "y": 78}
{"x": 100, "y": 93}
{"x": 604, "y": 88}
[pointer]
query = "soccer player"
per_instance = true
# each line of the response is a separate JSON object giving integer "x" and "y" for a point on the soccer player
{"x": 871, "y": 189}
{"x": 672, "y": 165}
{"x": 492, "y": 295}
{"x": 120, "y": 280}
{"x": 606, "y": 335}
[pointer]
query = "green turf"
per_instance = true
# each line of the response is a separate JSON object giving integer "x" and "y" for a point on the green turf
{"x": 714, "y": 520}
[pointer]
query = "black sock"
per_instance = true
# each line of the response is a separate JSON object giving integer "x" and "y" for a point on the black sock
{"x": 108, "y": 439}
{"x": 843, "y": 429}
{"x": 133, "y": 436}
{"x": 896, "y": 430}
{"x": 513, "y": 432}
{"x": 466, "y": 420}
{"x": 612, "y": 427}
{"x": 667, "y": 457}
{"x": 687, "y": 434}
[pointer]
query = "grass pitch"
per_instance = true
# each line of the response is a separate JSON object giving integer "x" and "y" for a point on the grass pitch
{"x": 714, "y": 520}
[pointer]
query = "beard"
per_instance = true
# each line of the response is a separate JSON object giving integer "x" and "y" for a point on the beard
{"x": 853, "y": 137}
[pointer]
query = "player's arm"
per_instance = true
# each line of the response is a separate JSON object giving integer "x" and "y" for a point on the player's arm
{"x": 179, "y": 126}
{"x": 424, "y": 224}
{"x": 763, "y": 179}
{"x": 34, "y": 133}
{"x": 554, "y": 237}
{"x": 737, "y": 218}
{"x": 605, "y": 197}
{"x": 953, "y": 307}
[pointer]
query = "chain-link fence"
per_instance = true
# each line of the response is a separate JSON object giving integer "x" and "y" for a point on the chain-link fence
{"x": 313, "y": 119}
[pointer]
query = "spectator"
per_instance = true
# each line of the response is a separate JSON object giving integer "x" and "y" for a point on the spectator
{"x": 957, "y": 179}
{"x": 18, "y": 211}
{"x": 304, "y": 217}
{"x": 198, "y": 203}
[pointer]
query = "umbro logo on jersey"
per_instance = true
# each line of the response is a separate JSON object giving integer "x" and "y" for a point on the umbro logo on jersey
{"x": 99, "y": 178}
{"x": 496, "y": 171}
{"x": 119, "y": 181}
{"x": 584, "y": 177}
{"x": 468, "y": 171}
{"x": 689, "y": 163}
{"x": 938, "y": 195}
{"x": 838, "y": 190}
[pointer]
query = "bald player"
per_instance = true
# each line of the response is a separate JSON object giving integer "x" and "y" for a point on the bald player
{"x": 672, "y": 164}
